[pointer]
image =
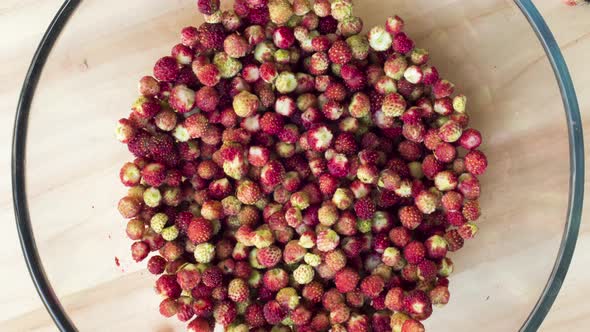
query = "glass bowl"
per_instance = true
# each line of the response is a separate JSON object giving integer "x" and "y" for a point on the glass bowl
{"x": 499, "y": 53}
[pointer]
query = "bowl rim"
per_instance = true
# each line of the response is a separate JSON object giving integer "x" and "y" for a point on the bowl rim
{"x": 576, "y": 180}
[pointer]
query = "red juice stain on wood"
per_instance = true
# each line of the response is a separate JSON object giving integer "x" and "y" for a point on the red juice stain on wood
{"x": 117, "y": 261}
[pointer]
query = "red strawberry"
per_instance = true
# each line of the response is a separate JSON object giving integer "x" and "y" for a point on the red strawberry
{"x": 414, "y": 252}
{"x": 340, "y": 53}
{"x": 154, "y": 174}
{"x": 238, "y": 290}
{"x": 394, "y": 300}
{"x": 203, "y": 306}
{"x": 346, "y": 280}
{"x": 225, "y": 313}
{"x": 313, "y": 292}
{"x": 273, "y": 312}
{"x": 168, "y": 307}
{"x": 200, "y": 230}
{"x": 167, "y": 286}
{"x": 188, "y": 278}
{"x": 332, "y": 299}
{"x": 301, "y": 315}
{"x": 271, "y": 123}
{"x": 476, "y": 162}
{"x": 275, "y": 279}
{"x": 372, "y": 286}
{"x": 254, "y": 315}
{"x": 345, "y": 143}
{"x": 272, "y": 174}
{"x": 269, "y": 256}
{"x": 212, "y": 277}
{"x": 410, "y": 217}
{"x": 166, "y": 69}
{"x": 211, "y": 36}
{"x": 364, "y": 208}
{"x": 417, "y": 304}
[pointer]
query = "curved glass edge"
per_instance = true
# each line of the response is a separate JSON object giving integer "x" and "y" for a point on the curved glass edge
{"x": 19, "y": 138}
{"x": 576, "y": 147}
{"x": 576, "y": 143}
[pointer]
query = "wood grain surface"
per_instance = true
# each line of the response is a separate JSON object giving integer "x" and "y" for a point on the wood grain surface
{"x": 90, "y": 81}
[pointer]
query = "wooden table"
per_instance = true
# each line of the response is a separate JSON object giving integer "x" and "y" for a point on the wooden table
{"x": 24, "y": 21}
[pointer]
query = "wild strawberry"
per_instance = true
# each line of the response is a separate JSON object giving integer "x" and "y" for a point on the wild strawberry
{"x": 339, "y": 315}
{"x": 303, "y": 274}
{"x": 156, "y": 265}
{"x": 394, "y": 300}
{"x": 167, "y": 286}
{"x": 168, "y": 307}
{"x": 410, "y": 217}
{"x": 476, "y": 162}
{"x": 418, "y": 305}
{"x": 372, "y": 286}
{"x": 436, "y": 247}
{"x": 327, "y": 240}
{"x": 254, "y": 315}
{"x": 414, "y": 252}
{"x": 166, "y": 69}
{"x": 454, "y": 240}
{"x": 273, "y": 312}
{"x": 208, "y": 7}
{"x": 238, "y": 290}
{"x": 443, "y": 106}
{"x": 185, "y": 309}
{"x": 471, "y": 210}
{"x": 327, "y": 25}
{"x": 471, "y": 139}
{"x": 392, "y": 257}
{"x": 468, "y": 230}
{"x": 196, "y": 125}
{"x": 248, "y": 192}
{"x": 313, "y": 292}
{"x": 283, "y": 37}
{"x": 332, "y": 110}
{"x": 394, "y": 105}
{"x": 427, "y": 270}
{"x": 320, "y": 138}
{"x": 339, "y": 165}
{"x": 130, "y": 175}
{"x": 412, "y": 325}
{"x": 379, "y": 39}
{"x": 189, "y": 277}
{"x": 364, "y": 208}
{"x": 431, "y": 166}
{"x": 270, "y": 256}
{"x": 271, "y": 123}
{"x": 450, "y": 132}
{"x": 340, "y": 53}
{"x": 346, "y": 280}
{"x": 272, "y": 174}
{"x": 380, "y": 321}
{"x": 439, "y": 295}
{"x": 275, "y": 279}
{"x": 301, "y": 315}
{"x": 139, "y": 250}
{"x": 360, "y": 189}
{"x": 402, "y": 44}
{"x": 200, "y": 230}
{"x": 443, "y": 88}
{"x": 367, "y": 174}
{"x": 211, "y": 36}
{"x": 225, "y": 313}
{"x": 469, "y": 186}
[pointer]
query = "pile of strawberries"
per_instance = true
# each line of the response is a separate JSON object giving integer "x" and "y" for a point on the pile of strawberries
{"x": 293, "y": 174}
